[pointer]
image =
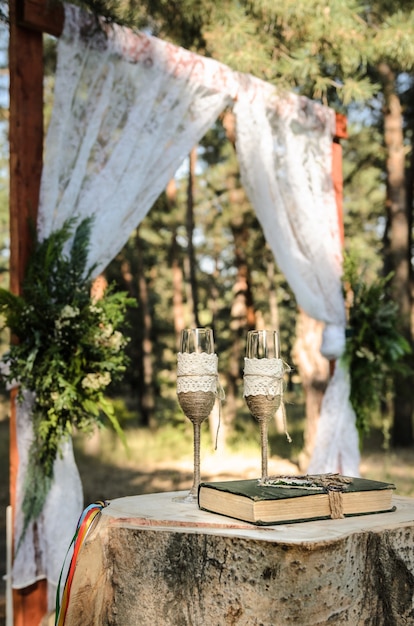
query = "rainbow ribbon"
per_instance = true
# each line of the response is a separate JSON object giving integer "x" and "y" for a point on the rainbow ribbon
{"x": 83, "y": 526}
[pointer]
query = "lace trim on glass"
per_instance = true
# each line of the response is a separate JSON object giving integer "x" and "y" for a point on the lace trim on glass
{"x": 197, "y": 372}
{"x": 263, "y": 377}
{"x": 196, "y": 383}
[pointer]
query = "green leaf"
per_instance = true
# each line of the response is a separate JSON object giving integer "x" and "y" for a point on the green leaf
{"x": 375, "y": 349}
{"x": 70, "y": 349}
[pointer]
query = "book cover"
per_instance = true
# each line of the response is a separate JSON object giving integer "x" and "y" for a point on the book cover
{"x": 296, "y": 498}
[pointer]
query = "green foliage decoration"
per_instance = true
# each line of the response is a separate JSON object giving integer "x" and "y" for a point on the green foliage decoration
{"x": 69, "y": 349}
{"x": 375, "y": 349}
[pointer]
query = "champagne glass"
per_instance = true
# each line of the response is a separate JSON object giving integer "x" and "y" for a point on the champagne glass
{"x": 263, "y": 380}
{"x": 196, "y": 387}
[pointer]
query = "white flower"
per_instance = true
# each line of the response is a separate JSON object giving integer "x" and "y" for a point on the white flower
{"x": 67, "y": 313}
{"x": 107, "y": 331}
{"x": 116, "y": 341}
{"x": 96, "y": 381}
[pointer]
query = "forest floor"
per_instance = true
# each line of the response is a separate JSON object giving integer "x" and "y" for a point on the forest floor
{"x": 163, "y": 462}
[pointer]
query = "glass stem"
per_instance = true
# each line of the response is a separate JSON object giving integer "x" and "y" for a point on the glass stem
{"x": 263, "y": 445}
{"x": 196, "y": 481}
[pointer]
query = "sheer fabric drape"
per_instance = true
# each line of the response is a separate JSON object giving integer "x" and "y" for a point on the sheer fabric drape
{"x": 128, "y": 109}
{"x": 284, "y": 148}
{"x": 42, "y": 551}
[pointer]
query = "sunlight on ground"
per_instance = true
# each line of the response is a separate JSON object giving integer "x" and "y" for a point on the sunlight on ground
{"x": 393, "y": 466}
{"x": 164, "y": 462}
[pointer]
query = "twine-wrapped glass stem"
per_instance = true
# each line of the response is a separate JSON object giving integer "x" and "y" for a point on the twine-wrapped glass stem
{"x": 196, "y": 391}
{"x": 263, "y": 391}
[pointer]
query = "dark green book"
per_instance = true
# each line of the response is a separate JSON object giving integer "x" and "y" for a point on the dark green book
{"x": 296, "y": 499}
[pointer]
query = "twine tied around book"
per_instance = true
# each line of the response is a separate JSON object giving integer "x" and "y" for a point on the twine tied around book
{"x": 336, "y": 505}
{"x": 263, "y": 388}
{"x": 333, "y": 485}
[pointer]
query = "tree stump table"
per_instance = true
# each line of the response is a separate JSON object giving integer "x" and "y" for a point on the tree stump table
{"x": 151, "y": 561}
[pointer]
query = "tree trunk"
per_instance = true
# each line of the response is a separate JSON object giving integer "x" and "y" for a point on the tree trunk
{"x": 398, "y": 246}
{"x": 190, "y": 233}
{"x": 177, "y": 283}
{"x": 217, "y": 424}
{"x": 410, "y": 208}
{"x": 313, "y": 369}
{"x": 242, "y": 315}
{"x": 270, "y": 271}
{"x": 176, "y": 269}
{"x": 150, "y": 561}
{"x": 146, "y": 382}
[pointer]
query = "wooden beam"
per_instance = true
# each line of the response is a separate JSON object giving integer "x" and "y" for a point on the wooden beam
{"x": 26, "y": 150}
{"x": 44, "y": 16}
{"x": 26, "y": 141}
{"x": 337, "y": 176}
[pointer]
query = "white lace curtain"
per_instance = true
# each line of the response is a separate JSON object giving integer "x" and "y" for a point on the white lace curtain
{"x": 128, "y": 109}
{"x": 284, "y": 148}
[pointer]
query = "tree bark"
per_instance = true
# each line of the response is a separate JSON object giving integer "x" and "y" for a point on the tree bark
{"x": 273, "y": 307}
{"x": 176, "y": 269}
{"x": 313, "y": 369}
{"x": 177, "y": 283}
{"x": 242, "y": 315}
{"x": 190, "y": 234}
{"x": 398, "y": 247}
{"x": 146, "y": 382}
{"x": 410, "y": 205}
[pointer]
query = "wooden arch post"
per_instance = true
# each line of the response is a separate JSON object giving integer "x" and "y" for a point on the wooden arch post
{"x": 337, "y": 175}
{"x": 338, "y": 183}
{"x": 28, "y": 18}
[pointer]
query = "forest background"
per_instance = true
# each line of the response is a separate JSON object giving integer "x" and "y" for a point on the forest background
{"x": 200, "y": 256}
